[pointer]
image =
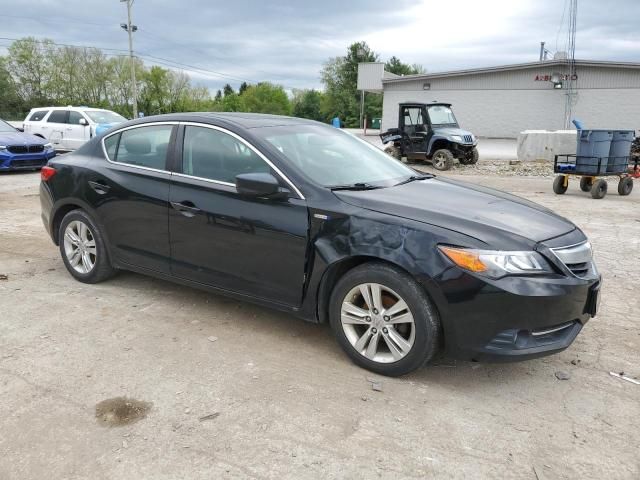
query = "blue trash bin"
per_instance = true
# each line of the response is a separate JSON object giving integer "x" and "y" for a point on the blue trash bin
{"x": 593, "y": 151}
{"x": 620, "y": 150}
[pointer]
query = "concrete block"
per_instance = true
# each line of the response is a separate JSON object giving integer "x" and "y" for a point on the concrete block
{"x": 543, "y": 145}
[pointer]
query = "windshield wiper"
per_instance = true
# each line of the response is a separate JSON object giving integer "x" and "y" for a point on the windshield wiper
{"x": 413, "y": 178}
{"x": 354, "y": 186}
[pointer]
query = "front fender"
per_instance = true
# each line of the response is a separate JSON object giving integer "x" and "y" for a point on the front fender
{"x": 434, "y": 139}
{"x": 344, "y": 243}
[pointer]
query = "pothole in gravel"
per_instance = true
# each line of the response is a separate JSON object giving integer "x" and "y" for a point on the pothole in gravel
{"x": 119, "y": 411}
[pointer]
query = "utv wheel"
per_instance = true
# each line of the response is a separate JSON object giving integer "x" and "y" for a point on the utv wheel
{"x": 471, "y": 158}
{"x": 559, "y": 186}
{"x": 442, "y": 159}
{"x": 393, "y": 151}
{"x": 82, "y": 248}
{"x": 586, "y": 183}
{"x": 384, "y": 320}
{"x": 599, "y": 189}
{"x": 625, "y": 185}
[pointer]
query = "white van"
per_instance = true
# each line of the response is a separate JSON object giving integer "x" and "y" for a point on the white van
{"x": 67, "y": 128}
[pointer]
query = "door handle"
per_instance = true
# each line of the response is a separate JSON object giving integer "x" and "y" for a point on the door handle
{"x": 99, "y": 188}
{"x": 186, "y": 208}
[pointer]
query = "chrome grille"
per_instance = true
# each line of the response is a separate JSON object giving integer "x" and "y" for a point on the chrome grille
{"x": 577, "y": 258}
{"x": 468, "y": 139}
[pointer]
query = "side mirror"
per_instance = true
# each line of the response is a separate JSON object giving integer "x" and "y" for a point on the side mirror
{"x": 83, "y": 121}
{"x": 258, "y": 185}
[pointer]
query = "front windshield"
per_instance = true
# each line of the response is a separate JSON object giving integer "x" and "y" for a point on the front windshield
{"x": 331, "y": 157}
{"x": 104, "y": 116}
{"x": 5, "y": 127}
{"x": 441, "y": 115}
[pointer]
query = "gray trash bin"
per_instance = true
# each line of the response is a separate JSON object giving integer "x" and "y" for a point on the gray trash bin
{"x": 593, "y": 151}
{"x": 620, "y": 150}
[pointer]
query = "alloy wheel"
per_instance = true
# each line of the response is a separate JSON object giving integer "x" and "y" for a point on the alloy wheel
{"x": 378, "y": 323}
{"x": 439, "y": 160}
{"x": 80, "y": 247}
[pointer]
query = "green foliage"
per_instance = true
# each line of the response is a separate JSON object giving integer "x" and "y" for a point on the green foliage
{"x": 308, "y": 104}
{"x": 266, "y": 97}
{"x": 228, "y": 90}
{"x": 339, "y": 76}
{"x": 394, "y": 65}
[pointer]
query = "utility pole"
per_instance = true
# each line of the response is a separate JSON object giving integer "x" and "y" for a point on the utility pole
{"x": 130, "y": 29}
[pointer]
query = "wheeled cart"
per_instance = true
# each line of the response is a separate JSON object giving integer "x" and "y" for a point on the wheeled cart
{"x": 591, "y": 171}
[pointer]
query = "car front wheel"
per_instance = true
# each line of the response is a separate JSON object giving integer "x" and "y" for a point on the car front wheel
{"x": 82, "y": 248}
{"x": 384, "y": 320}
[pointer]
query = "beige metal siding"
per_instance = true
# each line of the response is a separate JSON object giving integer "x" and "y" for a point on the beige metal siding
{"x": 502, "y": 104}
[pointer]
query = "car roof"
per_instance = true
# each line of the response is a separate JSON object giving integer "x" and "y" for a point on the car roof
{"x": 67, "y": 107}
{"x": 241, "y": 119}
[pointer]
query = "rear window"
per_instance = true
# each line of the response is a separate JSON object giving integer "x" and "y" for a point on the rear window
{"x": 141, "y": 146}
{"x": 38, "y": 116}
{"x": 58, "y": 116}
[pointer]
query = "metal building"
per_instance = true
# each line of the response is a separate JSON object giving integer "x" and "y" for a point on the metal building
{"x": 503, "y": 101}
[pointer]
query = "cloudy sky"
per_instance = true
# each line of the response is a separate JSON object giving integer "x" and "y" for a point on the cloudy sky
{"x": 286, "y": 42}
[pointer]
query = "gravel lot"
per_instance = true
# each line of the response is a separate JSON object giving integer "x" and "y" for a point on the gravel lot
{"x": 283, "y": 400}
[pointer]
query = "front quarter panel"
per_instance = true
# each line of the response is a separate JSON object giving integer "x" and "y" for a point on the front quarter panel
{"x": 367, "y": 235}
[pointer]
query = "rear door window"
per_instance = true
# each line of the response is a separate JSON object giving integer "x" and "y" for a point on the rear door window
{"x": 58, "y": 116}
{"x": 141, "y": 146}
{"x": 38, "y": 116}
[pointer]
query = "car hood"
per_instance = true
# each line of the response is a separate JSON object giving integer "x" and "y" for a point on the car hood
{"x": 448, "y": 131}
{"x": 498, "y": 219}
{"x": 20, "y": 138}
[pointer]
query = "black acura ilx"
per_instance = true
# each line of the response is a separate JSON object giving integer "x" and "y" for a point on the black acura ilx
{"x": 305, "y": 218}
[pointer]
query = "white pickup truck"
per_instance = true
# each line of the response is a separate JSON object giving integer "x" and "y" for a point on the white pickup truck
{"x": 67, "y": 128}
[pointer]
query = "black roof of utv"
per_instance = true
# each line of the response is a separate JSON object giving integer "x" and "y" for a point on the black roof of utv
{"x": 422, "y": 104}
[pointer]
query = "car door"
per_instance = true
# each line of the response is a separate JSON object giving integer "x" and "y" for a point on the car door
{"x": 54, "y": 127}
{"x": 129, "y": 192}
{"x": 252, "y": 246}
{"x": 76, "y": 133}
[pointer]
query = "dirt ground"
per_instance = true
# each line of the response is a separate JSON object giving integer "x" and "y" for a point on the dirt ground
{"x": 282, "y": 400}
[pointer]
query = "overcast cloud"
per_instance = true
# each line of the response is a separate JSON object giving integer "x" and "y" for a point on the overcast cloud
{"x": 286, "y": 42}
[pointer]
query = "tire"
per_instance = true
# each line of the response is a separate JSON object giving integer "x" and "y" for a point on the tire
{"x": 393, "y": 151}
{"x": 625, "y": 185}
{"x": 74, "y": 240}
{"x": 472, "y": 158}
{"x": 599, "y": 189}
{"x": 559, "y": 186}
{"x": 400, "y": 347}
{"x": 442, "y": 159}
{"x": 586, "y": 183}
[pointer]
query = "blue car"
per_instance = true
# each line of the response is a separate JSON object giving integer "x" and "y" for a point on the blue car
{"x": 22, "y": 151}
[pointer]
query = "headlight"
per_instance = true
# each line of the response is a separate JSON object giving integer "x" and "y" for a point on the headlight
{"x": 456, "y": 138}
{"x": 3, "y": 147}
{"x": 47, "y": 146}
{"x": 496, "y": 264}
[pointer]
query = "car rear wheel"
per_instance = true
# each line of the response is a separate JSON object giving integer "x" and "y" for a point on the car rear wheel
{"x": 442, "y": 159}
{"x": 82, "y": 248}
{"x": 384, "y": 320}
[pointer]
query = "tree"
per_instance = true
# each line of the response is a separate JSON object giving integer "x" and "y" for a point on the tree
{"x": 218, "y": 95}
{"x": 228, "y": 90}
{"x": 243, "y": 88}
{"x": 266, "y": 97}
{"x": 394, "y": 65}
{"x": 307, "y": 104}
{"x": 339, "y": 76}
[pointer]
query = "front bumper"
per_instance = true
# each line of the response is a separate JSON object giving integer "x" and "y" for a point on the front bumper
{"x": 24, "y": 161}
{"x": 513, "y": 318}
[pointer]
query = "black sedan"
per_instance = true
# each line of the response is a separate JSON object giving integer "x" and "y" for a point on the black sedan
{"x": 308, "y": 219}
